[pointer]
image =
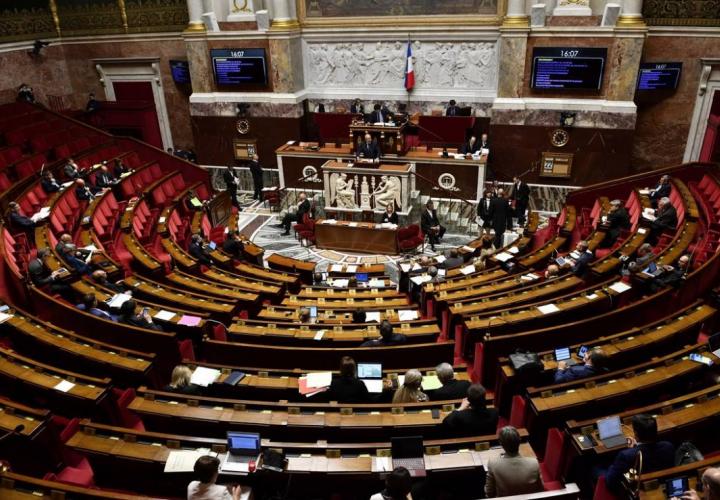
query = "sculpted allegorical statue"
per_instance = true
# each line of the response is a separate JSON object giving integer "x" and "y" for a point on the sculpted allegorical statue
{"x": 344, "y": 192}
{"x": 387, "y": 192}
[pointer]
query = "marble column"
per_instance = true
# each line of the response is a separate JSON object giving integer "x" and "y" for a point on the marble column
{"x": 626, "y": 54}
{"x": 516, "y": 16}
{"x": 284, "y": 14}
{"x": 631, "y": 15}
{"x": 195, "y": 12}
{"x": 201, "y": 74}
{"x": 512, "y": 50}
{"x": 286, "y": 63}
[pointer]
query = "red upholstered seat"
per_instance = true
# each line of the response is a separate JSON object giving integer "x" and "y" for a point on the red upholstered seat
{"x": 518, "y": 415}
{"x": 551, "y": 466}
{"x": 601, "y": 491}
{"x": 409, "y": 238}
{"x": 123, "y": 416}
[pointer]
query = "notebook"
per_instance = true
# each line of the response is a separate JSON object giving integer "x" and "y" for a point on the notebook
{"x": 408, "y": 452}
{"x": 610, "y": 432}
{"x": 371, "y": 376}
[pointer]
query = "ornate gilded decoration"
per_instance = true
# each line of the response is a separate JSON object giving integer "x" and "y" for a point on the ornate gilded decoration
{"x": 240, "y": 8}
{"x": 374, "y": 8}
{"x": 89, "y": 17}
{"x": 26, "y": 20}
{"x": 123, "y": 14}
{"x": 147, "y": 16}
{"x": 56, "y": 18}
{"x": 682, "y": 12}
{"x": 559, "y": 137}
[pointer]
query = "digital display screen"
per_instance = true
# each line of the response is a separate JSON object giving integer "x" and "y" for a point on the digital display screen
{"x": 562, "y": 68}
{"x": 659, "y": 76}
{"x": 180, "y": 71}
{"x": 239, "y": 66}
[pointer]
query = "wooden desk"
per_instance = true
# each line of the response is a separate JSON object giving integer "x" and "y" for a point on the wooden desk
{"x": 364, "y": 237}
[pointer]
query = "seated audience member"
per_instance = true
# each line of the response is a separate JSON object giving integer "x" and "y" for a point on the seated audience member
{"x": 318, "y": 279}
{"x": 434, "y": 274}
{"x": 430, "y": 224}
{"x": 357, "y": 107}
{"x": 656, "y": 455}
{"x": 411, "y": 389}
{"x": 552, "y": 271}
{"x": 90, "y": 305}
{"x": 453, "y": 260}
{"x": 617, "y": 220}
{"x": 512, "y": 474}
{"x": 710, "y": 486}
{"x": 470, "y": 147}
{"x": 48, "y": 183}
{"x": 579, "y": 259}
{"x": 25, "y": 93}
{"x": 387, "y": 337}
{"x": 233, "y": 245}
{"x": 18, "y": 220}
{"x": 359, "y": 317}
{"x": 594, "y": 361}
{"x": 82, "y": 192}
{"x": 672, "y": 275}
{"x": 304, "y": 315}
{"x": 119, "y": 169}
{"x": 92, "y": 104}
{"x": 74, "y": 258}
{"x": 665, "y": 220}
{"x": 303, "y": 207}
{"x": 204, "y": 488}
{"x": 346, "y": 387}
{"x": 180, "y": 382}
{"x": 197, "y": 250}
{"x": 398, "y": 485}
{"x": 661, "y": 190}
{"x": 129, "y": 316}
{"x": 486, "y": 250}
{"x": 389, "y": 216}
{"x": 71, "y": 170}
{"x": 452, "y": 108}
{"x": 41, "y": 276}
{"x": 65, "y": 239}
{"x": 104, "y": 179}
{"x": 472, "y": 417}
{"x": 377, "y": 115}
{"x": 644, "y": 255}
{"x": 452, "y": 388}
{"x": 100, "y": 277}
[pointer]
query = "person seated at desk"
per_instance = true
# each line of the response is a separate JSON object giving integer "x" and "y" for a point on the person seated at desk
{"x": 357, "y": 107}
{"x": 303, "y": 207}
{"x": 368, "y": 150}
{"x": 430, "y": 224}
{"x": 104, "y": 179}
{"x": 75, "y": 258}
{"x": 377, "y": 115}
{"x": 180, "y": 382}
{"x": 119, "y": 169}
{"x": 452, "y": 388}
{"x": 512, "y": 474}
{"x": 387, "y": 337}
{"x": 90, "y": 305}
{"x": 359, "y": 317}
{"x": 661, "y": 190}
{"x": 410, "y": 390}
{"x": 41, "y": 276}
{"x": 453, "y": 260}
{"x": 453, "y": 109}
{"x": 472, "y": 417}
{"x": 71, "y": 170}
{"x": 484, "y": 142}
{"x": 304, "y": 315}
{"x": 470, "y": 147}
{"x": 65, "y": 239}
{"x": 552, "y": 271}
{"x": 644, "y": 256}
{"x": 389, "y": 216}
{"x": 710, "y": 486}
{"x": 617, "y": 220}
{"x": 82, "y": 191}
{"x": 594, "y": 361}
{"x": 672, "y": 275}
{"x": 233, "y": 245}
{"x": 197, "y": 250}
{"x": 48, "y": 183}
{"x": 665, "y": 220}
{"x": 204, "y": 488}
{"x": 656, "y": 455}
{"x": 579, "y": 260}
{"x": 18, "y": 220}
{"x": 486, "y": 250}
{"x": 129, "y": 316}
{"x": 346, "y": 387}
{"x": 100, "y": 277}
{"x": 398, "y": 485}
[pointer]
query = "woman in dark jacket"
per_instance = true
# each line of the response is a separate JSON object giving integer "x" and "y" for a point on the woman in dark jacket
{"x": 347, "y": 388}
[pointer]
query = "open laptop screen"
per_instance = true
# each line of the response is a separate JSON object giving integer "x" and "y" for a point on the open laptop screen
{"x": 407, "y": 447}
{"x": 562, "y": 354}
{"x": 369, "y": 370}
{"x": 609, "y": 427}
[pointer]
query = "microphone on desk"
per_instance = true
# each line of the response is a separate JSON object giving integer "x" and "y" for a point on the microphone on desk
{"x": 16, "y": 430}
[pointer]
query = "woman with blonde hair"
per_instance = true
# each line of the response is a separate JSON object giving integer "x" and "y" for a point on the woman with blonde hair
{"x": 180, "y": 381}
{"x": 410, "y": 391}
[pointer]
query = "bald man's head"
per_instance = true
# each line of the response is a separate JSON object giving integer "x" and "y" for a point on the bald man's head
{"x": 711, "y": 483}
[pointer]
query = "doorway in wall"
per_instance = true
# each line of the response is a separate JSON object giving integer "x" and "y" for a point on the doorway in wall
{"x": 711, "y": 142}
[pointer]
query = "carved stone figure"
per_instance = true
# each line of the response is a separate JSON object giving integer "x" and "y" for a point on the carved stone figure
{"x": 344, "y": 192}
{"x": 387, "y": 192}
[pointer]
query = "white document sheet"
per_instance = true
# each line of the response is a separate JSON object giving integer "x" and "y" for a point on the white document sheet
{"x": 204, "y": 376}
{"x": 548, "y": 308}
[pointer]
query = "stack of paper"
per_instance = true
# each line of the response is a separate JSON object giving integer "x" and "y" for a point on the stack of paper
{"x": 407, "y": 315}
{"x": 204, "y": 376}
{"x": 514, "y": 250}
{"x": 439, "y": 259}
{"x": 336, "y": 268}
{"x": 416, "y": 267}
{"x": 376, "y": 283}
{"x": 351, "y": 269}
{"x": 164, "y": 315}
{"x": 188, "y": 320}
{"x": 503, "y": 256}
{"x": 4, "y": 317}
{"x": 64, "y": 386}
{"x": 340, "y": 283}
{"x": 372, "y": 316}
{"x": 430, "y": 383}
{"x": 374, "y": 385}
{"x": 329, "y": 221}
{"x": 620, "y": 287}
{"x": 405, "y": 267}
{"x": 316, "y": 380}
{"x": 352, "y": 224}
{"x": 319, "y": 335}
{"x": 548, "y": 308}
{"x": 468, "y": 269}
{"x": 184, "y": 460}
{"x": 419, "y": 280}
{"x": 119, "y": 299}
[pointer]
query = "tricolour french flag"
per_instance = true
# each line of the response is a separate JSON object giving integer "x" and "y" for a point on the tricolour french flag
{"x": 409, "y": 73}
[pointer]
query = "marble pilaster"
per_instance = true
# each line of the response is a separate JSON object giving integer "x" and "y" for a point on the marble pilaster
{"x": 286, "y": 64}
{"x": 513, "y": 46}
{"x": 201, "y": 73}
{"x": 625, "y": 57}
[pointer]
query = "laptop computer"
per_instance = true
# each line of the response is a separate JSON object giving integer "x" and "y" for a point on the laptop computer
{"x": 313, "y": 313}
{"x": 560, "y": 261}
{"x": 610, "y": 432}
{"x": 714, "y": 343}
{"x": 243, "y": 447}
{"x": 371, "y": 375}
{"x": 652, "y": 270}
{"x": 362, "y": 277}
{"x": 408, "y": 452}
{"x": 563, "y": 354}
{"x": 212, "y": 245}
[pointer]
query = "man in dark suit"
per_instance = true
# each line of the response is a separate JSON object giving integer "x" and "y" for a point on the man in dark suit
{"x": 82, "y": 192}
{"x": 71, "y": 170}
{"x": 501, "y": 216}
{"x": 452, "y": 109}
{"x": 579, "y": 259}
{"x": 484, "y": 142}
{"x": 303, "y": 207}
{"x": 661, "y": 190}
{"x": 256, "y": 171}
{"x": 594, "y": 361}
{"x": 232, "y": 244}
{"x": 520, "y": 197}
{"x": 672, "y": 275}
{"x": 49, "y": 183}
{"x": 104, "y": 179}
{"x": 453, "y": 260}
{"x": 656, "y": 455}
{"x": 19, "y": 221}
{"x": 452, "y": 388}
{"x": 231, "y": 184}
{"x": 74, "y": 258}
{"x": 100, "y": 277}
{"x": 368, "y": 149}
{"x": 470, "y": 147}
{"x": 472, "y": 418}
{"x": 357, "y": 107}
{"x": 41, "y": 276}
{"x": 430, "y": 224}
{"x": 617, "y": 220}
{"x": 387, "y": 337}
{"x": 483, "y": 211}
{"x": 665, "y": 220}
{"x": 198, "y": 251}
{"x": 377, "y": 115}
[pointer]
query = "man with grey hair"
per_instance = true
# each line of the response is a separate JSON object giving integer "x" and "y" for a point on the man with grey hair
{"x": 665, "y": 220}
{"x": 711, "y": 486}
{"x": 617, "y": 219}
{"x": 451, "y": 387}
{"x": 511, "y": 473}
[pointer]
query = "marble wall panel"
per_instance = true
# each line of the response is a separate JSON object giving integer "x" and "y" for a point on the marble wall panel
{"x": 512, "y": 69}
{"x": 623, "y": 68}
{"x": 47, "y": 74}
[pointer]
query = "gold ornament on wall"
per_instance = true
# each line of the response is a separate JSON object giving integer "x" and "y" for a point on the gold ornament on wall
{"x": 559, "y": 137}
{"x": 242, "y": 126}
